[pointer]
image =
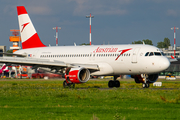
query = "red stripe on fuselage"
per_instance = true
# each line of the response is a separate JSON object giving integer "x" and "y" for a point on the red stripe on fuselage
{"x": 32, "y": 42}
{"x": 21, "y": 10}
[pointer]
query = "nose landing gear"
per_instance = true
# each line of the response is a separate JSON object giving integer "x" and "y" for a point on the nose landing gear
{"x": 145, "y": 84}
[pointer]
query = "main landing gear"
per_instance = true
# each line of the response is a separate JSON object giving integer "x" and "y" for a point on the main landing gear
{"x": 65, "y": 84}
{"x": 114, "y": 83}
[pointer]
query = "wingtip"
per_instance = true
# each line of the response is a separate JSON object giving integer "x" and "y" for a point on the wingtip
{"x": 172, "y": 57}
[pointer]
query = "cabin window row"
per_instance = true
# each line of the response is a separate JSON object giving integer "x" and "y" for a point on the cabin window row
{"x": 83, "y": 55}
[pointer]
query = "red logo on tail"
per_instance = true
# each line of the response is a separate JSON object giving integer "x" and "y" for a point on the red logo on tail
{"x": 24, "y": 25}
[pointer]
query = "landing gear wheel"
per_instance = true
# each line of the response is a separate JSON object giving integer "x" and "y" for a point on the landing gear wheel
{"x": 71, "y": 85}
{"x": 145, "y": 85}
{"x": 65, "y": 84}
{"x": 111, "y": 84}
{"x": 116, "y": 84}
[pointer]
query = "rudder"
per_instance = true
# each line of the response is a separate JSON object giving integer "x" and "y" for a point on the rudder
{"x": 29, "y": 36}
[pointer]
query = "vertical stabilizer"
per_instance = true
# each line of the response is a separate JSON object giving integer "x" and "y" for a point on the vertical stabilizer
{"x": 29, "y": 36}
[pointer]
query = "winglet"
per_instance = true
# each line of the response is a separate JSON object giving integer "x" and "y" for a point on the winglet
{"x": 29, "y": 36}
{"x": 172, "y": 57}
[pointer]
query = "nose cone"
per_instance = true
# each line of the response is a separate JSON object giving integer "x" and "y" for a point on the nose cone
{"x": 164, "y": 63}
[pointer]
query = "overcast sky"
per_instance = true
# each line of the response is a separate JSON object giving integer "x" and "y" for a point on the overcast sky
{"x": 114, "y": 22}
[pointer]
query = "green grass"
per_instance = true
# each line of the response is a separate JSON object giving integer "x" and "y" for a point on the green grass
{"x": 48, "y": 100}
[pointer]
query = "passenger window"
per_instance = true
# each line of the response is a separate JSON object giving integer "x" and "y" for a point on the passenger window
{"x": 147, "y": 54}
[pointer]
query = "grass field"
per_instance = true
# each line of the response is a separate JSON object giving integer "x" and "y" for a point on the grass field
{"x": 48, "y": 100}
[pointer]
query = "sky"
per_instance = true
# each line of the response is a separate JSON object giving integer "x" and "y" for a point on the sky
{"x": 114, "y": 22}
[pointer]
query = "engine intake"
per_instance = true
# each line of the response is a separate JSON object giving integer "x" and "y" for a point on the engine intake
{"x": 77, "y": 75}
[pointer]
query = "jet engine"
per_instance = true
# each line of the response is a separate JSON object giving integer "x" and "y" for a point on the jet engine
{"x": 151, "y": 78}
{"x": 77, "y": 75}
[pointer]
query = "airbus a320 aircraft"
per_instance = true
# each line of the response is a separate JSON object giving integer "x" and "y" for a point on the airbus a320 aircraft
{"x": 4, "y": 69}
{"x": 143, "y": 62}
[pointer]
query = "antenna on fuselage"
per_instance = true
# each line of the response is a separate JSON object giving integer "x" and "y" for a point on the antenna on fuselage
{"x": 143, "y": 43}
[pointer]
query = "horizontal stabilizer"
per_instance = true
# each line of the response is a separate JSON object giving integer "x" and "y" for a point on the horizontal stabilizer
{"x": 13, "y": 54}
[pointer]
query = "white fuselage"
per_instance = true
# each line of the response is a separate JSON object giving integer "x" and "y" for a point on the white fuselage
{"x": 132, "y": 61}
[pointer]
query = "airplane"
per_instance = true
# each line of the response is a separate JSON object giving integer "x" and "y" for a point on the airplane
{"x": 142, "y": 62}
{"x": 4, "y": 69}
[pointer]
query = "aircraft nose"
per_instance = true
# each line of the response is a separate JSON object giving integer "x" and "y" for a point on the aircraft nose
{"x": 164, "y": 63}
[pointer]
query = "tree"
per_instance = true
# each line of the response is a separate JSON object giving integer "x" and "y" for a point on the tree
{"x": 146, "y": 41}
{"x": 160, "y": 44}
{"x": 9, "y": 51}
{"x": 164, "y": 44}
{"x": 137, "y": 42}
{"x": 85, "y": 44}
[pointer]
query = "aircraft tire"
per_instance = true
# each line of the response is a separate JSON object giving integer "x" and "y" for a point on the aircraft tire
{"x": 147, "y": 85}
{"x": 71, "y": 85}
{"x": 111, "y": 84}
{"x": 65, "y": 84}
{"x": 144, "y": 85}
{"x": 116, "y": 83}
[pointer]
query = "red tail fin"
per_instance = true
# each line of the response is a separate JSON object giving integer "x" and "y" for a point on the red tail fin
{"x": 29, "y": 36}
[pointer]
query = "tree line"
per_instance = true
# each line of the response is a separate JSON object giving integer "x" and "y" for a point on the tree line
{"x": 165, "y": 44}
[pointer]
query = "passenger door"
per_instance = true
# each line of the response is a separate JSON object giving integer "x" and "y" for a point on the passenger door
{"x": 134, "y": 55}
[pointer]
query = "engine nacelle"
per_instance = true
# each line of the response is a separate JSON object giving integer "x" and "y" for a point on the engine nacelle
{"x": 151, "y": 78}
{"x": 77, "y": 75}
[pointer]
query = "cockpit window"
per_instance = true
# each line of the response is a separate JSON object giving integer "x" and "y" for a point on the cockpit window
{"x": 147, "y": 54}
{"x": 151, "y": 53}
{"x": 157, "y": 53}
{"x": 162, "y": 54}
{"x": 154, "y": 53}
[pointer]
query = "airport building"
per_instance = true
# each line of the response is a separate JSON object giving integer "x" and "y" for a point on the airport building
{"x": 168, "y": 52}
{"x": 2, "y": 49}
{"x": 174, "y": 68}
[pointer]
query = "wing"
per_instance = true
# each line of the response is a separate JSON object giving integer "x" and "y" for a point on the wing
{"x": 44, "y": 63}
{"x": 173, "y": 60}
{"x": 13, "y": 54}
